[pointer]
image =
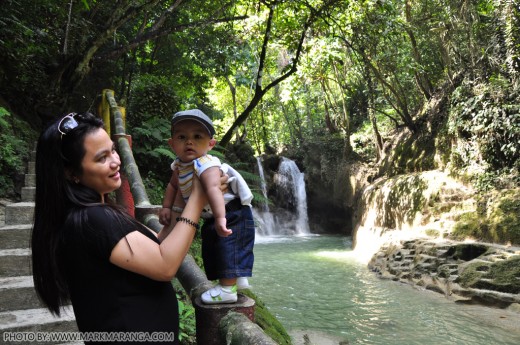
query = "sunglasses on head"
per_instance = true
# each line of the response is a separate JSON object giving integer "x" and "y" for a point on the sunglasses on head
{"x": 67, "y": 124}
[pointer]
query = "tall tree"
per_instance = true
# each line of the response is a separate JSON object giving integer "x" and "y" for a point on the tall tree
{"x": 259, "y": 89}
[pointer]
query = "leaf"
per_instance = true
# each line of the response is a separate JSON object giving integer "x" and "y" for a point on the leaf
{"x": 165, "y": 152}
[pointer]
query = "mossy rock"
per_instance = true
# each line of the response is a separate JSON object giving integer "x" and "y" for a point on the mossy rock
{"x": 502, "y": 276}
{"x": 497, "y": 219}
{"x": 469, "y": 225}
{"x": 413, "y": 153}
{"x": 432, "y": 232}
{"x": 507, "y": 273}
{"x": 473, "y": 272}
{"x": 504, "y": 217}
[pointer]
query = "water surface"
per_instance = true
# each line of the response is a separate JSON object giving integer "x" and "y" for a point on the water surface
{"x": 314, "y": 284}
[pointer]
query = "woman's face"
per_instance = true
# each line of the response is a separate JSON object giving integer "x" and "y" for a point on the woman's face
{"x": 100, "y": 164}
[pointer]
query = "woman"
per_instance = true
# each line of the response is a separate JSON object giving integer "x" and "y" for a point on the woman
{"x": 115, "y": 271}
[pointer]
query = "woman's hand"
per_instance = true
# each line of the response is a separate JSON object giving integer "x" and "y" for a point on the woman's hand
{"x": 223, "y": 182}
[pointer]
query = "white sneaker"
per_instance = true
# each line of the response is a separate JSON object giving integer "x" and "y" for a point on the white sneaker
{"x": 218, "y": 295}
{"x": 243, "y": 283}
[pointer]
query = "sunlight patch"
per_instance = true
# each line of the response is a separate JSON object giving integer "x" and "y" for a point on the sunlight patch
{"x": 334, "y": 255}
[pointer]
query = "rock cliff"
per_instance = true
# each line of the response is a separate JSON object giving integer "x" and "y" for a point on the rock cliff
{"x": 412, "y": 228}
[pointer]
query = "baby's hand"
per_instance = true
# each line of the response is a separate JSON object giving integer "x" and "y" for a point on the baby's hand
{"x": 165, "y": 216}
{"x": 220, "y": 226}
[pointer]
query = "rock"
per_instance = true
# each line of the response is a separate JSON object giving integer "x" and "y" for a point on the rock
{"x": 485, "y": 274}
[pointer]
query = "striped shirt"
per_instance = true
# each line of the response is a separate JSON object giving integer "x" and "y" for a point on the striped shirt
{"x": 186, "y": 171}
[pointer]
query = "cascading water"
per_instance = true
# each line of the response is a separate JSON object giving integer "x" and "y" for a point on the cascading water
{"x": 290, "y": 178}
{"x": 265, "y": 204}
{"x": 264, "y": 217}
{"x": 291, "y": 188}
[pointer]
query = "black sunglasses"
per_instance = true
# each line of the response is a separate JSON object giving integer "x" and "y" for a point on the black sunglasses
{"x": 67, "y": 124}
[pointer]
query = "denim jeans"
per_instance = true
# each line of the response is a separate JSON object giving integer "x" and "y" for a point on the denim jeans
{"x": 232, "y": 256}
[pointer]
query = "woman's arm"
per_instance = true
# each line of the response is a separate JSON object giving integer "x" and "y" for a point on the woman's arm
{"x": 174, "y": 213}
{"x": 161, "y": 262}
{"x": 170, "y": 194}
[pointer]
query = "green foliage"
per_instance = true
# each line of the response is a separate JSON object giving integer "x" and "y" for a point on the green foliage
{"x": 432, "y": 232}
{"x": 152, "y": 97}
{"x": 404, "y": 200}
{"x": 469, "y": 225}
{"x": 187, "y": 325}
{"x": 322, "y": 164}
{"x": 15, "y": 138}
{"x": 241, "y": 152}
{"x": 28, "y": 39}
{"x": 154, "y": 188}
{"x": 504, "y": 217}
{"x": 187, "y": 329}
{"x": 148, "y": 121}
{"x": 485, "y": 120}
{"x": 151, "y": 151}
{"x": 485, "y": 182}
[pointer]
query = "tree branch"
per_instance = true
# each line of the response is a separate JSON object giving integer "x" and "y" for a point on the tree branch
{"x": 158, "y": 31}
{"x": 259, "y": 92}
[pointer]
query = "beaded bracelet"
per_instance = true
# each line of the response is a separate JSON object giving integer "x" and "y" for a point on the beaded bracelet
{"x": 188, "y": 221}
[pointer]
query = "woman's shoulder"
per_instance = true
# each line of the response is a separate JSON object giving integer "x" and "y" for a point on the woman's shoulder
{"x": 97, "y": 211}
{"x": 104, "y": 215}
{"x": 110, "y": 220}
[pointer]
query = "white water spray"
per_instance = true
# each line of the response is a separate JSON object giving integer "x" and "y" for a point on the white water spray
{"x": 291, "y": 182}
{"x": 265, "y": 219}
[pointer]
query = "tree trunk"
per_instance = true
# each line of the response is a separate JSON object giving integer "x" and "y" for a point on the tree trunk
{"x": 378, "y": 141}
{"x": 421, "y": 78}
{"x": 509, "y": 21}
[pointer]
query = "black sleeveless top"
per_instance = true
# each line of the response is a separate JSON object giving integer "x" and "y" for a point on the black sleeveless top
{"x": 107, "y": 298}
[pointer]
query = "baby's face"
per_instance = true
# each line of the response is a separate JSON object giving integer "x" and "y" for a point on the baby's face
{"x": 190, "y": 140}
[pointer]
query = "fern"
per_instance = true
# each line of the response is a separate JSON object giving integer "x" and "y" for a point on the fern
{"x": 161, "y": 151}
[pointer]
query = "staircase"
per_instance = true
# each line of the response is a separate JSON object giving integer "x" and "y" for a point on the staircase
{"x": 22, "y": 315}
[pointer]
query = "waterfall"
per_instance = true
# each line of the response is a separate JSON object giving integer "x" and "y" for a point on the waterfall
{"x": 265, "y": 204}
{"x": 290, "y": 178}
{"x": 265, "y": 220}
{"x": 291, "y": 189}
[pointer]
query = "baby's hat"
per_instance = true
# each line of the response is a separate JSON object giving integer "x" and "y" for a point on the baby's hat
{"x": 196, "y": 115}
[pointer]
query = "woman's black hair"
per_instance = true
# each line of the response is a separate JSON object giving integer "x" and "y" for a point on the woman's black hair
{"x": 58, "y": 200}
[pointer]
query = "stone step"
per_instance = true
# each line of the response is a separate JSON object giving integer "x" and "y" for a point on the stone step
{"x": 33, "y": 321}
{"x": 31, "y": 168}
{"x": 17, "y": 293}
{"x": 30, "y": 180}
{"x": 20, "y": 308}
{"x": 28, "y": 193}
{"x": 15, "y": 262}
{"x": 19, "y": 213}
{"x": 15, "y": 236}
